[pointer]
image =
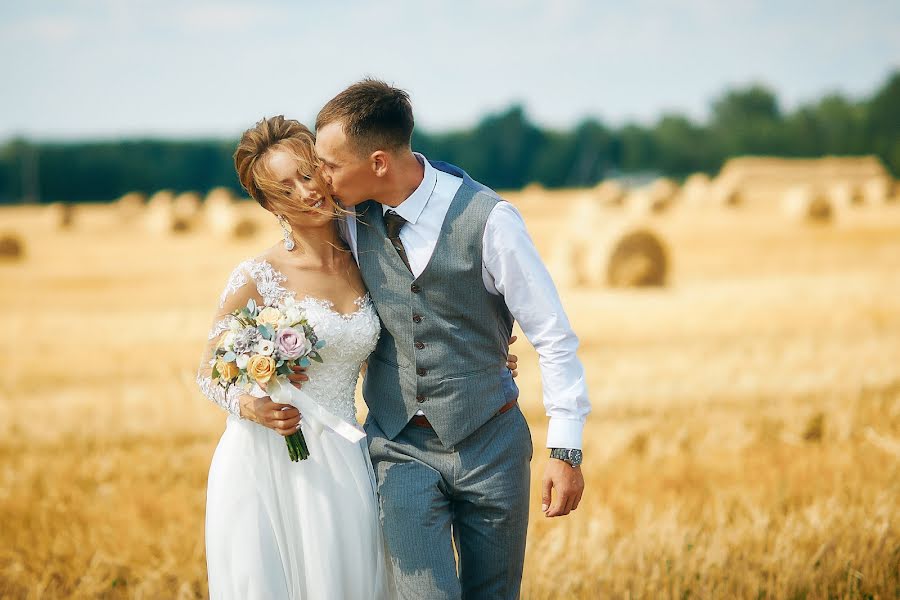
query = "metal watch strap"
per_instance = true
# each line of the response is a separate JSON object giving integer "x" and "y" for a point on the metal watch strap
{"x": 570, "y": 455}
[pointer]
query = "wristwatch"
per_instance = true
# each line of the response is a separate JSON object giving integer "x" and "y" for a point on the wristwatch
{"x": 569, "y": 455}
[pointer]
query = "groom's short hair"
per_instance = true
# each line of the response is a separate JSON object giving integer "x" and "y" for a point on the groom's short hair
{"x": 375, "y": 116}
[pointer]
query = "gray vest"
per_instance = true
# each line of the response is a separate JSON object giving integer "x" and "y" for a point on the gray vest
{"x": 444, "y": 338}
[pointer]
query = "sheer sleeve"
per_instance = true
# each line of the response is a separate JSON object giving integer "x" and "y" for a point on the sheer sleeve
{"x": 238, "y": 290}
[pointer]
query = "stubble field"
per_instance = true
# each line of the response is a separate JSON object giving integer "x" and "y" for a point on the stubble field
{"x": 744, "y": 440}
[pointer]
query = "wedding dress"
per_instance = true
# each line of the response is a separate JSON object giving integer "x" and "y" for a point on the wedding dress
{"x": 308, "y": 529}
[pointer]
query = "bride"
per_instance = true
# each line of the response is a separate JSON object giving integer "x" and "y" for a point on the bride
{"x": 276, "y": 528}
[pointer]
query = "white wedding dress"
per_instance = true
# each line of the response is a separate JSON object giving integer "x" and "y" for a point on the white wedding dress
{"x": 309, "y": 529}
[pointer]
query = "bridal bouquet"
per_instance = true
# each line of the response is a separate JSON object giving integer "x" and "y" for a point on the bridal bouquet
{"x": 260, "y": 346}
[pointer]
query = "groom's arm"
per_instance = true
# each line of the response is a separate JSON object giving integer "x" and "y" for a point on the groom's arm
{"x": 514, "y": 269}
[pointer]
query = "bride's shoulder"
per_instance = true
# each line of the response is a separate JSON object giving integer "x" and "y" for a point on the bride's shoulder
{"x": 238, "y": 287}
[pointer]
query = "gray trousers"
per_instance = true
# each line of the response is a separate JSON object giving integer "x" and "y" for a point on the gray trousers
{"x": 474, "y": 495}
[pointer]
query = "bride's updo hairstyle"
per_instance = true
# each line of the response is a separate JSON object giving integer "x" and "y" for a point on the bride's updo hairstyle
{"x": 250, "y": 161}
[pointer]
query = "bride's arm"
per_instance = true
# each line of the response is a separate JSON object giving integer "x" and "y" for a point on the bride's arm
{"x": 255, "y": 406}
{"x": 239, "y": 289}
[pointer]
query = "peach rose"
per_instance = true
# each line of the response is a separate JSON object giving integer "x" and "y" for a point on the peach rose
{"x": 227, "y": 370}
{"x": 269, "y": 316}
{"x": 261, "y": 368}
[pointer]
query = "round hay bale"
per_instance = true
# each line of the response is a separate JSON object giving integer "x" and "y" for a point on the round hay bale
{"x": 629, "y": 256}
{"x": 224, "y": 220}
{"x": 664, "y": 189}
{"x": 609, "y": 193}
{"x": 245, "y": 227}
{"x": 643, "y": 202}
{"x": 654, "y": 198}
{"x": 131, "y": 205}
{"x": 584, "y": 210}
{"x": 535, "y": 187}
{"x": 696, "y": 190}
{"x": 160, "y": 216}
{"x": 186, "y": 206}
{"x": 218, "y": 196}
{"x": 726, "y": 195}
{"x": 564, "y": 263}
{"x": 60, "y": 215}
{"x": 11, "y": 247}
{"x": 845, "y": 195}
{"x": 878, "y": 190}
{"x": 807, "y": 204}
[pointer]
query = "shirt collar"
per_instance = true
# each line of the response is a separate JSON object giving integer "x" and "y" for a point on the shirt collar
{"x": 411, "y": 208}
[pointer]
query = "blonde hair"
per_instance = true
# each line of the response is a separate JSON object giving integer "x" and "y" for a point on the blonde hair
{"x": 250, "y": 161}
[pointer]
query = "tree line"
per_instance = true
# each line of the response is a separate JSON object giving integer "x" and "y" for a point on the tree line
{"x": 504, "y": 150}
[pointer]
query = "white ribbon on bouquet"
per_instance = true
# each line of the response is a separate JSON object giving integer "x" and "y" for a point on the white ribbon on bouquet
{"x": 316, "y": 417}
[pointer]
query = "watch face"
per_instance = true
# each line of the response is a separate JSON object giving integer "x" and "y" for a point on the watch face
{"x": 575, "y": 457}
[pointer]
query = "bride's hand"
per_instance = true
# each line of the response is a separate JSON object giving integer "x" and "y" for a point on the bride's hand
{"x": 281, "y": 418}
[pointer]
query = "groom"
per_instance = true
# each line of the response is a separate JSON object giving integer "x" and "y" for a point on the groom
{"x": 450, "y": 266}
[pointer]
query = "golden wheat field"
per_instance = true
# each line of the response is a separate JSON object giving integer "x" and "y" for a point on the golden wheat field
{"x": 744, "y": 440}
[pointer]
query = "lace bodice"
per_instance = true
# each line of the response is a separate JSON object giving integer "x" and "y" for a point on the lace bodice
{"x": 349, "y": 339}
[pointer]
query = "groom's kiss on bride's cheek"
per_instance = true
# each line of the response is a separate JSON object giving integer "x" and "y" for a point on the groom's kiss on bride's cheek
{"x": 412, "y": 268}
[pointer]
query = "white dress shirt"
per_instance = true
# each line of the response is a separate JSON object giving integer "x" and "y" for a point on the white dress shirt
{"x": 512, "y": 268}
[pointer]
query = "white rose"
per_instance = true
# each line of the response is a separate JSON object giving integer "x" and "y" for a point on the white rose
{"x": 228, "y": 341}
{"x": 264, "y": 347}
{"x": 242, "y": 360}
{"x": 293, "y": 316}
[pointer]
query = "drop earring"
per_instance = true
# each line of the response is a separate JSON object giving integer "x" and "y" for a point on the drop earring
{"x": 286, "y": 229}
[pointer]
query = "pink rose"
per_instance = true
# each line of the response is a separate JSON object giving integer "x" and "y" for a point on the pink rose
{"x": 291, "y": 343}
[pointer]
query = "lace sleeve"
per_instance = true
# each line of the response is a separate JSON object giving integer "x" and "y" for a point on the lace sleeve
{"x": 235, "y": 295}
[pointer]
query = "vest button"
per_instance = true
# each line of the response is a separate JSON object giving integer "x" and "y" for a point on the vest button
{"x": 421, "y": 372}
{"x": 420, "y": 345}
{"x": 417, "y": 318}
{"x": 420, "y": 398}
{"x": 415, "y": 289}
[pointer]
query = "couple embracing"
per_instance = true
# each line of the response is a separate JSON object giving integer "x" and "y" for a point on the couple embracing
{"x": 409, "y": 268}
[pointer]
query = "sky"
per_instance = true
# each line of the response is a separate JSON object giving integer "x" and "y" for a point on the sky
{"x": 101, "y": 69}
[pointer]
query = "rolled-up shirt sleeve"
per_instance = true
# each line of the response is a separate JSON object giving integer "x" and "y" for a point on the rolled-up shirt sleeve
{"x": 513, "y": 268}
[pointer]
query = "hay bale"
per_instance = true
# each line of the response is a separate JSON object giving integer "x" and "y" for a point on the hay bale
{"x": 696, "y": 190}
{"x": 664, "y": 189}
{"x": 878, "y": 190}
{"x": 60, "y": 215}
{"x": 130, "y": 206}
{"x": 161, "y": 217}
{"x": 628, "y": 256}
{"x": 643, "y": 202}
{"x": 11, "y": 247}
{"x": 609, "y": 193}
{"x": 807, "y": 204}
{"x": 844, "y": 195}
{"x": 218, "y": 196}
{"x": 186, "y": 206}
{"x": 226, "y": 221}
{"x": 162, "y": 198}
{"x": 725, "y": 194}
{"x": 534, "y": 187}
{"x": 564, "y": 263}
{"x": 768, "y": 179}
{"x": 652, "y": 199}
{"x": 604, "y": 249}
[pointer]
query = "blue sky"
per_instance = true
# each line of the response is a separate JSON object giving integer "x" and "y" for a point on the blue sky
{"x": 169, "y": 68}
